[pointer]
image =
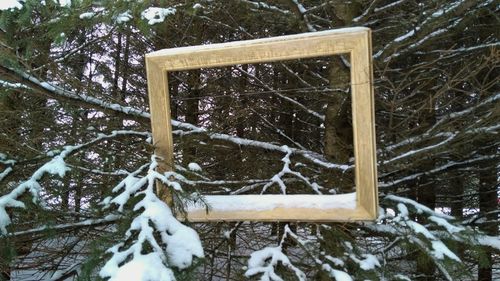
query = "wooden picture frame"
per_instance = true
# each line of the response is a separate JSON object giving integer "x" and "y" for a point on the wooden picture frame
{"x": 355, "y": 42}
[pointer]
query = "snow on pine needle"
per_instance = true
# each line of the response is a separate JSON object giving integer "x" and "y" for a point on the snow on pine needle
{"x": 264, "y": 261}
{"x": 423, "y": 227}
{"x": 175, "y": 244}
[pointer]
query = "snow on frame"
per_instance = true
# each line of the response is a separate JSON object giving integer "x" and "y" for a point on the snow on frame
{"x": 228, "y": 203}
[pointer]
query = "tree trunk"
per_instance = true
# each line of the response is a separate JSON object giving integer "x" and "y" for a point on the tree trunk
{"x": 488, "y": 188}
{"x": 426, "y": 195}
{"x": 338, "y": 142}
{"x": 457, "y": 202}
{"x": 117, "y": 58}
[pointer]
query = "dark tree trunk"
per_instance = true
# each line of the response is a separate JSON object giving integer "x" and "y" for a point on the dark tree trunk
{"x": 488, "y": 188}
{"x": 456, "y": 187}
{"x": 426, "y": 195}
{"x": 117, "y": 65}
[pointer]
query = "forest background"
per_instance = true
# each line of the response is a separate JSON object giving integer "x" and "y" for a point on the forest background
{"x": 76, "y": 155}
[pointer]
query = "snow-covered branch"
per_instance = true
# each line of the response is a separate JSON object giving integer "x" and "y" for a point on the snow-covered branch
{"x": 433, "y": 133}
{"x": 294, "y": 102}
{"x": 454, "y": 115}
{"x": 9, "y": 163}
{"x": 56, "y": 166}
{"x": 436, "y": 170}
{"x": 303, "y": 14}
{"x": 266, "y": 7}
{"x": 84, "y": 223}
{"x": 28, "y": 81}
{"x": 264, "y": 261}
{"x": 427, "y": 28}
{"x": 171, "y": 244}
{"x": 277, "y": 178}
{"x": 311, "y": 156}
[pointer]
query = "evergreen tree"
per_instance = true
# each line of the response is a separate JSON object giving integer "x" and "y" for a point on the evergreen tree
{"x": 77, "y": 168}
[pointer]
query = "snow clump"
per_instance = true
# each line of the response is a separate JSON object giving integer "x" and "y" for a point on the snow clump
{"x": 123, "y": 17}
{"x": 156, "y": 15}
{"x": 65, "y": 3}
{"x": 194, "y": 167}
{"x": 87, "y": 15}
{"x": 10, "y": 4}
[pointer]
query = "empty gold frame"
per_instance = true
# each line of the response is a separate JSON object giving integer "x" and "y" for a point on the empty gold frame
{"x": 353, "y": 41}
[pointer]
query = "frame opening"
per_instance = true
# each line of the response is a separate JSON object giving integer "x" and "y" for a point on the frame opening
{"x": 353, "y": 42}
